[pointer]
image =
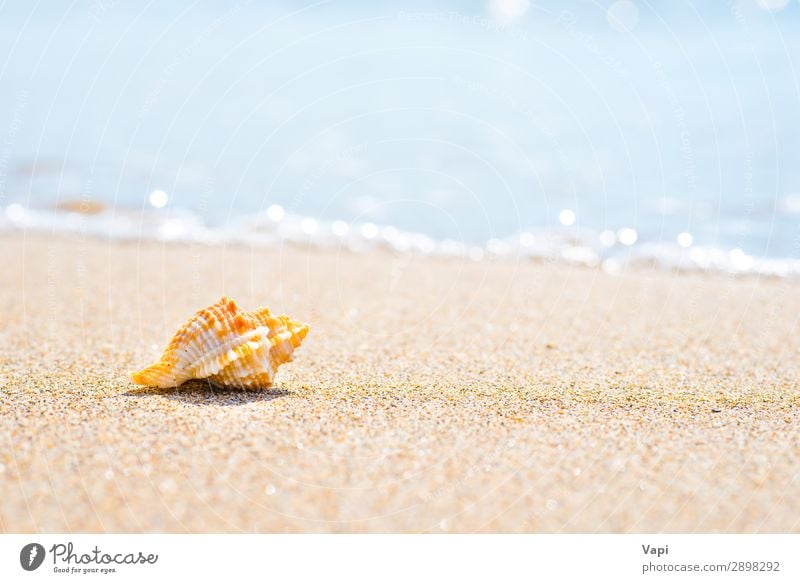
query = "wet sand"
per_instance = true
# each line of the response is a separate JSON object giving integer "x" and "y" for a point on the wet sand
{"x": 431, "y": 395}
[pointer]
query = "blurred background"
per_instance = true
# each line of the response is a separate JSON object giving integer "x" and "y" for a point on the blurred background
{"x": 588, "y": 131}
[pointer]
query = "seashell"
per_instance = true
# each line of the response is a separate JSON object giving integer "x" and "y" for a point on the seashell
{"x": 228, "y": 346}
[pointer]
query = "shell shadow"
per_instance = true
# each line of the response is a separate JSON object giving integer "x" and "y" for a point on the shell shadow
{"x": 203, "y": 393}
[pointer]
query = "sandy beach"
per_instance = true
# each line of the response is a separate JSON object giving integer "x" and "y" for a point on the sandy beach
{"x": 430, "y": 396}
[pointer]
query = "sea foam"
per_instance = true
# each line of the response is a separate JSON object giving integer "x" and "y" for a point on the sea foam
{"x": 576, "y": 246}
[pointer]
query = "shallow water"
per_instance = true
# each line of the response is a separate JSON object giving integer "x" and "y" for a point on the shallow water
{"x": 668, "y": 132}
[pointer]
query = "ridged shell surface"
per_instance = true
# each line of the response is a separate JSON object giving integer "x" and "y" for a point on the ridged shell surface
{"x": 228, "y": 346}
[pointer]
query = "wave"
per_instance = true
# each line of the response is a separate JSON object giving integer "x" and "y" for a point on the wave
{"x": 611, "y": 251}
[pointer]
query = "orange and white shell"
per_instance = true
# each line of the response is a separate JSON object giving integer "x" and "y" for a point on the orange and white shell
{"x": 227, "y": 346}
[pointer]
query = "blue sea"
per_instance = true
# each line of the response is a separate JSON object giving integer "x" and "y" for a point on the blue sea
{"x": 592, "y": 132}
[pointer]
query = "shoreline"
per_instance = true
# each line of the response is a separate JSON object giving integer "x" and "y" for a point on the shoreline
{"x": 429, "y": 396}
{"x": 613, "y": 252}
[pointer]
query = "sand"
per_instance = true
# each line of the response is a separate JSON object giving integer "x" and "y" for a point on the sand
{"x": 430, "y": 396}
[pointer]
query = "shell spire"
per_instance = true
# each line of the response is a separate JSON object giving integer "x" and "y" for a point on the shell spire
{"x": 228, "y": 346}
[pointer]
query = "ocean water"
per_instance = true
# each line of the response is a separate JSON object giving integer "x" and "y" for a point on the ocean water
{"x": 593, "y": 132}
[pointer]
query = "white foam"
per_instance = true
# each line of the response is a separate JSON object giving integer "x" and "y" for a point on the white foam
{"x": 605, "y": 249}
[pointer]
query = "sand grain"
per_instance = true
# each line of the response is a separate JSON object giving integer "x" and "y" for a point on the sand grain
{"x": 430, "y": 395}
